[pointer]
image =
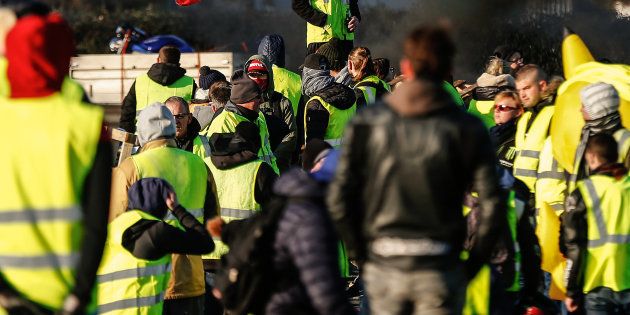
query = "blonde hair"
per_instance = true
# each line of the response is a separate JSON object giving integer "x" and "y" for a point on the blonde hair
{"x": 495, "y": 67}
{"x": 361, "y": 59}
{"x": 509, "y": 94}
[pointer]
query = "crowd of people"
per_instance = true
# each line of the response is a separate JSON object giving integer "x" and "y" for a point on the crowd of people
{"x": 342, "y": 188}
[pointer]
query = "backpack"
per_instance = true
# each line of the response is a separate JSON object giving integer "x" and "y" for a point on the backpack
{"x": 244, "y": 274}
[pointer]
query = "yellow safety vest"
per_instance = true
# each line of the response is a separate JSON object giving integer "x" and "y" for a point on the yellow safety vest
{"x": 484, "y": 110}
{"x": 127, "y": 284}
{"x": 369, "y": 87}
{"x": 187, "y": 173}
{"x": 226, "y": 122}
{"x": 288, "y": 84}
{"x": 201, "y": 147}
{"x": 43, "y": 169}
{"x": 551, "y": 185}
{"x": 529, "y": 143}
{"x": 608, "y": 219}
{"x": 149, "y": 91}
{"x": 337, "y": 11}
{"x": 337, "y": 121}
{"x": 235, "y": 190}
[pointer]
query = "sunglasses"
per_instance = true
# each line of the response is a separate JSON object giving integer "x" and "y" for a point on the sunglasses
{"x": 504, "y": 108}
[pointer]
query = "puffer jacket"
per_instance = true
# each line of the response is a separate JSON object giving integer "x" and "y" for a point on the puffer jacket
{"x": 405, "y": 165}
{"x": 305, "y": 261}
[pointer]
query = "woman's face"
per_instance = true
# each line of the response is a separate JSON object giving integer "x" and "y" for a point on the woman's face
{"x": 506, "y": 109}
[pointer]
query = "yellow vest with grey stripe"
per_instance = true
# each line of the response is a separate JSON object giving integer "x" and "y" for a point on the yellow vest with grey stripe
{"x": 226, "y": 122}
{"x": 337, "y": 11}
{"x": 337, "y": 121}
{"x": 551, "y": 186}
{"x": 235, "y": 190}
{"x": 127, "y": 284}
{"x": 188, "y": 175}
{"x": 608, "y": 219}
{"x": 149, "y": 91}
{"x": 201, "y": 147}
{"x": 370, "y": 88}
{"x": 41, "y": 190}
{"x": 529, "y": 143}
{"x": 289, "y": 84}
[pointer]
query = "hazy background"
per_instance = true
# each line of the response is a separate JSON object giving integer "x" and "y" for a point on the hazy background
{"x": 534, "y": 26}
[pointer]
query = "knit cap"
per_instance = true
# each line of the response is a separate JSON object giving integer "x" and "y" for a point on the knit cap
{"x": 599, "y": 100}
{"x": 154, "y": 122}
{"x": 333, "y": 54}
{"x": 208, "y": 76}
{"x": 244, "y": 90}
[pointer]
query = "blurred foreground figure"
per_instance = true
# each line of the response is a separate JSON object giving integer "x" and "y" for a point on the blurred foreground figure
{"x": 54, "y": 187}
{"x": 398, "y": 191}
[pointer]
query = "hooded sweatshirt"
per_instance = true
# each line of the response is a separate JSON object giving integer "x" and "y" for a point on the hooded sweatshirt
{"x": 320, "y": 83}
{"x": 277, "y": 108}
{"x": 164, "y": 74}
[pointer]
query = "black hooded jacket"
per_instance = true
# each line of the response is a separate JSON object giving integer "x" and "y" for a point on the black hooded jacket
{"x": 337, "y": 95}
{"x": 163, "y": 73}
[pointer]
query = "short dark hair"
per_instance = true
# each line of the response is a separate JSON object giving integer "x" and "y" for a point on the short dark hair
{"x": 220, "y": 92}
{"x": 381, "y": 67}
{"x": 180, "y": 100}
{"x": 169, "y": 54}
{"x": 532, "y": 69}
{"x": 604, "y": 147}
{"x": 430, "y": 50}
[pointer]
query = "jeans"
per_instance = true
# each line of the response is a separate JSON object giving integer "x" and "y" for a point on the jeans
{"x": 428, "y": 292}
{"x": 604, "y": 301}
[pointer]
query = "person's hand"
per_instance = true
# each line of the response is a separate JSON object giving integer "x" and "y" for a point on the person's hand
{"x": 571, "y": 304}
{"x": 171, "y": 201}
{"x": 215, "y": 226}
{"x": 353, "y": 24}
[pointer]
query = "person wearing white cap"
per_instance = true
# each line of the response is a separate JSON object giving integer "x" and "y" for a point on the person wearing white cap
{"x": 600, "y": 109}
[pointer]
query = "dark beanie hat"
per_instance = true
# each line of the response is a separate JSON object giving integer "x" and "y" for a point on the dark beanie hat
{"x": 316, "y": 62}
{"x": 244, "y": 90}
{"x": 314, "y": 151}
{"x": 332, "y": 52}
{"x": 208, "y": 76}
{"x": 149, "y": 195}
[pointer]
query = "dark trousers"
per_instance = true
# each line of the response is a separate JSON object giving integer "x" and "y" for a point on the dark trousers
{"x": 185, "y": 306}
{"x": 345, "y": 46}
{"x": 604, "y": 301}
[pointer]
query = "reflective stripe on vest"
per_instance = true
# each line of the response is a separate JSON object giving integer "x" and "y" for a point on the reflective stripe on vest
{"x": 235, "y": 192}
{"x": 127, "y": 284}
{"x": 226, "y": 122}
{"x": 608, "y": 221}
{"x": 550, "y": 187}
{"x": 622, "y": 136}
{"x": 529, "y": 143}
{"x": 369, "y": 86}
{"x": 41, "y": 183}
{"x": 337, "y": 121}
{"x": 336, "y": 27}
{"x": 289, "y": 84}
{"x": 201, "y": 147}
{"x": 188, "y": 175}
{"x": 149, "y": 91}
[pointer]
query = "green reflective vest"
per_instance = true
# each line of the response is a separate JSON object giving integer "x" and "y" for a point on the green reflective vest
{"x": 530, "y": 138}
{"x": 372, "y": 88}
{"x": 127, "y": 284}
{"x": 149, "y": 91}
{"x": 289, "y": 84}
{"x": 226, "y": 122}
{"x": 235, "y": 190}
{"x": 43, "y": 169}
{"x": 337, "y": 121}
{"x": 515, "y": 210}
{"x": 452, "y": 91}
{"x": 187, "y": 173}
{"x": 608, "y": 219}
{"x": 337, "y": 11}
{"x": 484, "y": 110}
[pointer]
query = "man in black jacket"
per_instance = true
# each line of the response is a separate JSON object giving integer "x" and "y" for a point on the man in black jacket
{"x": 165, "y": 76}
{"x": 398, "y": 191}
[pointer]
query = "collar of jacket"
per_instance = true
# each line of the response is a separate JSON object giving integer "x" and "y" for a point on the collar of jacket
{"x": 616, "y": 170}
{"x": 158, "y": 144}
{"x": 418, "y": 97}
